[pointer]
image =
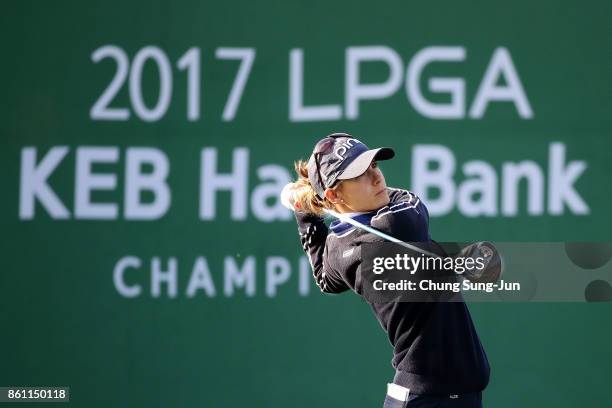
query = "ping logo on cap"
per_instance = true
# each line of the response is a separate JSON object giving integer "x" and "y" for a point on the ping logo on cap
{"x": 344, "y": 147}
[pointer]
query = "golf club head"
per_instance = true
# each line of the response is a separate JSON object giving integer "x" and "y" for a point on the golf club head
{"x": 492, "y": 269}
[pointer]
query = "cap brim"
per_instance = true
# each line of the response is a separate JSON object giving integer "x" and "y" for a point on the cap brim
{"x": 362, "y": 162}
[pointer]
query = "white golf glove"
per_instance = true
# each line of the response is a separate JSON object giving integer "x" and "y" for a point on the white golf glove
{"x": 288, "y": 196}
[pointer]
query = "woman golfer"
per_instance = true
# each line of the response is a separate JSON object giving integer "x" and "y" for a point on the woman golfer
{"x": 438, "y": 357}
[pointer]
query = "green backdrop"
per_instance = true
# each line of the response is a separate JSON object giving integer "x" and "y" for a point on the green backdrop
{"x": 66, "y": 314}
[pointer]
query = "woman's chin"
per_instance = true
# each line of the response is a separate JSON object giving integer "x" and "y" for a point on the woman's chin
{"x": 385, "y": 198}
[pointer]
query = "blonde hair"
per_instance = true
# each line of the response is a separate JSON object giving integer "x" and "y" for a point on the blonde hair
{"x": 306, "y": 199}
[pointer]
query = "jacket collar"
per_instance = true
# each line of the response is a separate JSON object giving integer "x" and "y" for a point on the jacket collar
{"x": 339, "y": 227}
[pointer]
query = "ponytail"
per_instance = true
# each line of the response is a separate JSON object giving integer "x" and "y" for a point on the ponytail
{"x": 306, "y": 199}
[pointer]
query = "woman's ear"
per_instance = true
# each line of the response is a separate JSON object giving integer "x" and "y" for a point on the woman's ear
{"x": 332, "y": 195}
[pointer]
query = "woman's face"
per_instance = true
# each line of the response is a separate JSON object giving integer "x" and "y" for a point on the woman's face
{"x": 367, "y": 192}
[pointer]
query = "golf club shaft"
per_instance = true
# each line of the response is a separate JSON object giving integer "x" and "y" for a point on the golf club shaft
{"x": 367, "y": 228}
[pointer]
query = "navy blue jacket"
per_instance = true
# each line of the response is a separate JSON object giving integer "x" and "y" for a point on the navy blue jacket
{"x": 436, "y": 349}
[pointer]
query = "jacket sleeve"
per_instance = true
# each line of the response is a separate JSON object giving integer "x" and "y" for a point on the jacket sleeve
{"x": 313, "y": 236}
{"x": 405, "y": 217}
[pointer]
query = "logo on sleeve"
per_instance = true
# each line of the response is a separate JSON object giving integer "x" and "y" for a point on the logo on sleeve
{"x": 348, "y": 252}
